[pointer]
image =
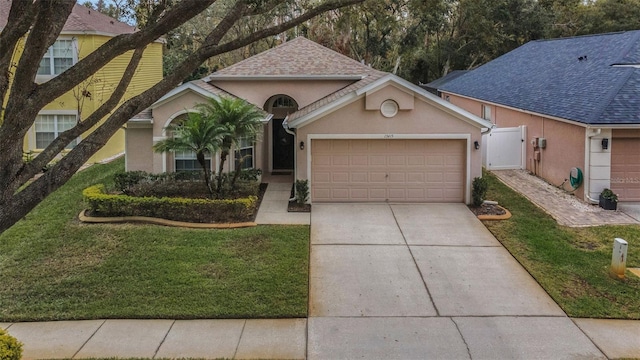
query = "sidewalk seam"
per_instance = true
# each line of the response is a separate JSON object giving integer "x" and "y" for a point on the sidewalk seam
{"x": 589, "y": 337}
{"x": 163, "y": 340}
{"x": 462, "y": 337}
{"x": 90, "y": 337}
{"x": 235, "y": 353}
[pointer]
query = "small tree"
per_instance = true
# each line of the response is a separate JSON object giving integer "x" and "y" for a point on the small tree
{"x": 199, "y": 134}
{"x": 479, "y": 190}
{"x": 239, "y": 118}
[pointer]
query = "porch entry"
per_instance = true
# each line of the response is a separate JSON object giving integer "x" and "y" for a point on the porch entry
{"x": 504, "y": 148}
{"x": 283, "y": 147}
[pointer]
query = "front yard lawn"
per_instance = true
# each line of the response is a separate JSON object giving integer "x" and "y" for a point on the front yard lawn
{"x": 571, "y": 264}
{"x": 53, "y": 267}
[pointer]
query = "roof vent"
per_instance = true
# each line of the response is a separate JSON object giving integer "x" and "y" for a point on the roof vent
{"x": 584, "y": 57}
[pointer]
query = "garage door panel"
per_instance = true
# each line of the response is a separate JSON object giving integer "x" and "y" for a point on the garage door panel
{"x": 378, "y": 194}
{"x": 321, "y": 177}
{"x": 625, "y": 168}
{"x": 415, "y": 177}
{"x": 415, "y": 160}
{"x": 388, "y": 170}
{"x": 377, "y": 160}
{"x": 377, "y": 177}
{"x": 397, "y": 177}
{"x": 434, "y": 160}
{"x": 359, "y": 194}
{"x": 340, "y": 160}
{"x": 321, "y": 194}
{"x": 398, "y": 194}
{"x": 359, "y": 160}
{"x": 340, "y": 193}
{"x": 340, "y": 177}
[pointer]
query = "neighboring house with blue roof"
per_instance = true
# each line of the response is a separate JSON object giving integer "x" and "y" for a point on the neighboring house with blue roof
{"x": 581, "y": 94}
{"x": 433, "y": 86}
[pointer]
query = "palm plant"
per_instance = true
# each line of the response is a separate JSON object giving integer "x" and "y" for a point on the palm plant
{"x": 239, "y": 118}
{"x": 199, "y": 134}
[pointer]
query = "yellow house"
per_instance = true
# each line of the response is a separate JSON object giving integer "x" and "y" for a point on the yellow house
{"x": 85, "y": 31}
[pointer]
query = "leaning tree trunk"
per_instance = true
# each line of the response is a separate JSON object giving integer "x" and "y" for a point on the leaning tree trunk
{"x": 207, "y": 180}
{"x": 223, "y": 159}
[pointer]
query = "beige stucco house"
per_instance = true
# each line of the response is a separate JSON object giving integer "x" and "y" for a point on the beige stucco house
{"x": 581, "y": 95}
{"x": 357, "y": 134}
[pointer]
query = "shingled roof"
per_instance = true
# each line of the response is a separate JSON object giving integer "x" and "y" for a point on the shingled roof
{"x": 81, "y": 20}
{"x": 592, "y": 79}
{"x": 297, "y": 57}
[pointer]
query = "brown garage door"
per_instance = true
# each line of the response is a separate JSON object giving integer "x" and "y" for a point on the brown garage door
{"x": 625, "y": 168}
{"x": 388, "y": 170}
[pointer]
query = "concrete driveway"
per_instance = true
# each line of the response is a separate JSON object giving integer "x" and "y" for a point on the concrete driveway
{"x": 426, "y": 281}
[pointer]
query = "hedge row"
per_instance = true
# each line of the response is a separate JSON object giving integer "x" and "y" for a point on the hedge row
{"x": 178, "y": 209}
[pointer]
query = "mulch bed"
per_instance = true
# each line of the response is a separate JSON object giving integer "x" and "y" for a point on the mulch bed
{"x": 487, "y": 209}
{"x": 295, "y": 207}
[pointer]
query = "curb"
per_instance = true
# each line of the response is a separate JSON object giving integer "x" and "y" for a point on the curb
{"x": 157, "y": 221}
{"x": 505, "y": 216}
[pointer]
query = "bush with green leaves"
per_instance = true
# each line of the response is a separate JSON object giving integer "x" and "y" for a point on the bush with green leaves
{"x": 10, "y": 347}
{"x": 188, "y": 184}
{"x": 178, "y": 209}
{"x": 479, "y": 190}
{"x": 302, "y": 191}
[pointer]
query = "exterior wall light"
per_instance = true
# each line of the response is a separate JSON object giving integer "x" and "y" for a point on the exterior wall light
{"x": 605, "y": 143}
{"x": 476, "y": 145}
{"x": 301, "y": 145}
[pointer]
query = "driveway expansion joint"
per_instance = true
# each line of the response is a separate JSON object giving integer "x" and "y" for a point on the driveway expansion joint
{"x": 415, "y": 262}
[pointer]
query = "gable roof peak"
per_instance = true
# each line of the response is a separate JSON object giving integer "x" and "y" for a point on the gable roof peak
{"x": 297, "y": 57}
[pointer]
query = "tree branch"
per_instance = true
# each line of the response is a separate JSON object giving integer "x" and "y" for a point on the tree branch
{"x": 21, "y": 15}
{"x": 176, "y": 16}
{"x": 14, "y": 206}
{"x": 58, "y": 144}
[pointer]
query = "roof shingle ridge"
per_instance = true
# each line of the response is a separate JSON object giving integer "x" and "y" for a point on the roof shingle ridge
{"x": 289, "y": 43}
{"x": 585, "y": 36}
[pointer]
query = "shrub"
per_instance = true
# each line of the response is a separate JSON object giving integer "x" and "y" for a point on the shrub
{"x": 10, "y": 347}
{"x": 250, "y": 174}
{"x": 124, "y": 181}
{"x": 609, "y": 195}
{"x": 479, "y": 190}
{"x": 302, "y": 191}
{"x": 179, "y": 209}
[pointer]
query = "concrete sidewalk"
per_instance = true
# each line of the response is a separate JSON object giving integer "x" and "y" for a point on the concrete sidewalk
{"x": 273, "y": 209}
{"x": 206, "y": 339}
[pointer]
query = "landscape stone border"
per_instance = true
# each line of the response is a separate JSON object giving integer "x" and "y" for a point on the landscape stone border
{"x": 157, "y": 221}
{"x": 505, "y": 216}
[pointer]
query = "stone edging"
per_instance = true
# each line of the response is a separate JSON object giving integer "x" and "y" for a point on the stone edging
{"x": 505, "y": 216}
{"x": 98, "y": 220}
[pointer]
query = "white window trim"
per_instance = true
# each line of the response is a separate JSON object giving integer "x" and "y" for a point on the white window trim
{"x": 31, "y": 138}
{"x": 74, "y": 50}
{"x": 176, "y": 158}
{"x": 486, "y": 108}
{"x": 252, "y": 146}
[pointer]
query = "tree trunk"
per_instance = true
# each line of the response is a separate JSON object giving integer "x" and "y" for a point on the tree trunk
{"x": 223, "y": 159}
{"x": 203, "y": 163}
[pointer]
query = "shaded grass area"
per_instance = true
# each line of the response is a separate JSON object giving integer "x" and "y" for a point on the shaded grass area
{"x": 53, "y": 267}
{"x": 571, "y": 264}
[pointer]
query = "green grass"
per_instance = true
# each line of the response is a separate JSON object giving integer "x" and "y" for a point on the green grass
{"x": 53, "y": 267}
{"x": 571, "y": 264}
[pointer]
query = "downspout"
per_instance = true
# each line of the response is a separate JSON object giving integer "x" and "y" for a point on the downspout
{"x": 285, "y": 125}
{"x": 588, "y": 165}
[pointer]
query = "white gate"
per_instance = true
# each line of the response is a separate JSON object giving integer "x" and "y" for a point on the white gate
{"x": 504, "y": 148}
